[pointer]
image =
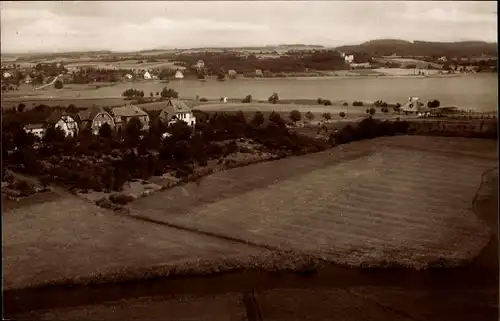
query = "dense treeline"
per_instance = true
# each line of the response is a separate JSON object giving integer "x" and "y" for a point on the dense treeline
{"x": 215, "y": 62}
{"x": 386, "y": 47}
{"x": 108, "y": 160}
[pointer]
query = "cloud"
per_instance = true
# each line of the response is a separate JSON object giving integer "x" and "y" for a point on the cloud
{"x": 70, "y": 25}
{"x": 165, "y": 24}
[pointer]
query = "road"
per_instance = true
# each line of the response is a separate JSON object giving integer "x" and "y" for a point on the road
{"x": 51, "y": 83}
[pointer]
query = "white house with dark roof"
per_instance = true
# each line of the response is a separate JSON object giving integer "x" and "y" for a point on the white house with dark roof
{"x": 176, "y": 110}
{"x": 36, "y": 129}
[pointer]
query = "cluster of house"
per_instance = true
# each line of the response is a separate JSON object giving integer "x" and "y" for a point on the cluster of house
{"x": 118, "y": 117}
{"x": 150, "y": 74}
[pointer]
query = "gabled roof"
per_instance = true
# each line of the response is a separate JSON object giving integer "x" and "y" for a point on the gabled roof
{"x": 54, "y": 117}
{"x": 173, "y": 107}
{"x": 90, "y": 114}
{"x": 128, "y": 111}
{"x": 177, "y": 105}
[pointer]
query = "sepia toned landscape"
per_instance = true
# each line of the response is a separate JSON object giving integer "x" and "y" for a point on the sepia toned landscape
{"x": 195, "y": 177}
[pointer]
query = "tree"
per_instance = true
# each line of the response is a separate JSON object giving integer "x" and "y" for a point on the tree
{"x": 276, "y": 119}
{"x": 371, "y": 111}
{"x": 133, "y": 129}
{"x": 258, "y": 119}
{"x": 21, "y": 107}
{"x": 342, "y": 114}
{"x": 433, "y": 104}
{"x": 157, "y": 93}
{"x": 39, "y": 79}
{"x": 58, "y": 84}
{"x": 248, "y": 99}
{"x": 327, "y": 116}
{"x": 169, "y": 93}
{"x": 141, "y": 94}
{"x": 72, "y": 109}
{"x": 105, "y": 130}
{"x": 151, "y": 94}
{"x": 273, "y": 98}
{"x": 309, "y": 116}
{"x": 53, "y": 135}
{"x": 221, "y": 76}
{"x": 320, "y": 101}
{"x": 179, "y": 131}
{"x": 327, "y": 102}
{"x": 295, "y": 115}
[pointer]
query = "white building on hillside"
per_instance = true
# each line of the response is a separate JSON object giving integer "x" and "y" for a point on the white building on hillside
{"x": 147, "y": 75}
{"x": 179, "y": 75}
{"x": 349, "y": 59}
{"x": 177, "y": 110}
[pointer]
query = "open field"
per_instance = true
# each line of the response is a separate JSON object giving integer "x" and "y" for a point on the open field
{"x": 125, "y": 64}
{"x": 93, "y": 242}
{"x": 395, "y": 204}
{"x": 74, "y": 241}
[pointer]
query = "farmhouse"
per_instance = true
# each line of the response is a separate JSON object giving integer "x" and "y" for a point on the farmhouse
{"x": 94, "y": 118}
{"x": 122, "y": 115}
{"x": 128, "y": 76}
{"x": 349, "y": 59}
{"x": 177, "y": 110}
{"x": 179, "y": 74}
{"x": 232, "y": 73}
{"x": 64, "y": 122}
{"x": 147, "y": 75}
{"x": 36, "y": 129}
{"x": 259, "y": 73}
{"x": 7, "y": 75}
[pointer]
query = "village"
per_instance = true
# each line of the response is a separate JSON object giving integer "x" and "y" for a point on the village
{"x": 228, "y": 64}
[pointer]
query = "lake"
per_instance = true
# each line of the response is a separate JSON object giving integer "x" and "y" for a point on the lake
{"x": 477, "y": 92}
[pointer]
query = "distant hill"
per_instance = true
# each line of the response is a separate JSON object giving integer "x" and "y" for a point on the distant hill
{"x": 387, "y": 47}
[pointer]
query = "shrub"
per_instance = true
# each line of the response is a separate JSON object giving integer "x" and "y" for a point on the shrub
{"x": 23, "y": 187}
{"x": 257, "y": 119}
{"x": 58, "y": 84}
{"x": 203, "y": 99}
{"x": 320, "y": 101}
{"x": 345, "y": 104}
{"x": 295, "y": 115}
{"x": 168, "y": 93}
{"x": 342, "y": 114}
{"x": 276, "y": 118}
{"x": 433, "y": 104}
{"x": 105, "y": 130}
{"x": 248, "y": 99}
{"x": 358, "y": 103}
{"x": 121, "y": 199}
{"x": 327, "y": 116}
{"x": 274, "y": 98}
{"x": 385, "y": 110}
{"x": 309, "y": 116}
{"x": 327, "y": 102}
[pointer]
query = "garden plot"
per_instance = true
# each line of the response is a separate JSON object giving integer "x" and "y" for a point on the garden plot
{"x": 397, "y": 206}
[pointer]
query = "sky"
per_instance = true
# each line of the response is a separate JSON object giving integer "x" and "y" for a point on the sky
{"x": 57, "y": 26}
